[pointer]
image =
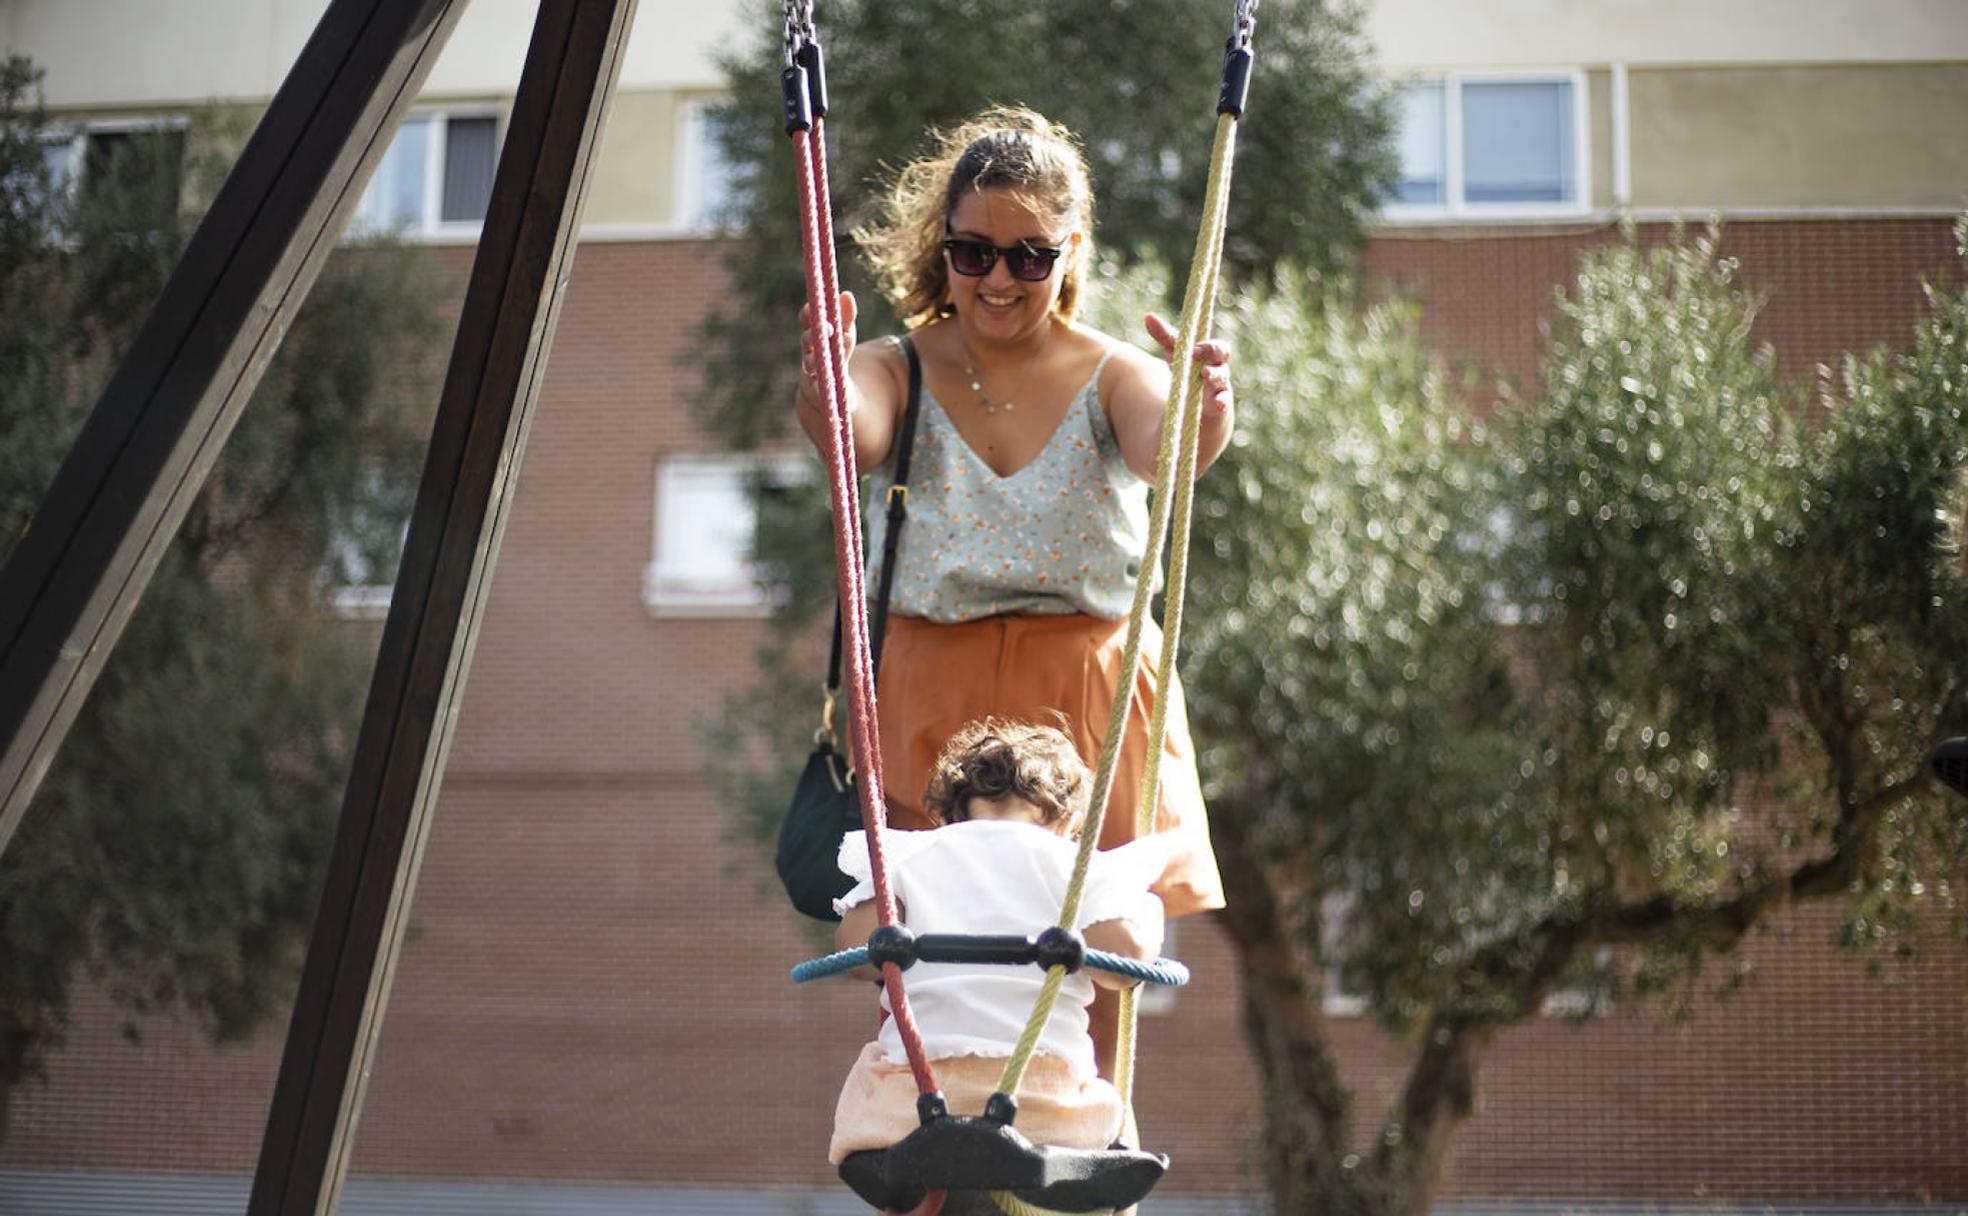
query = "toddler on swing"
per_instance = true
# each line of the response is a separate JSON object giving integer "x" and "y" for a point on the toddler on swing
{"x": 1008, "y": 799}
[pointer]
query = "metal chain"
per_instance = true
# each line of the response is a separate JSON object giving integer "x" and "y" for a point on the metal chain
{"x": 798, "y": 28}
{"x": 1246, "y": 24}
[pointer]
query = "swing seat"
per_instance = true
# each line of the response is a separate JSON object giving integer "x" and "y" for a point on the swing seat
{"x": 969, "y": 1153}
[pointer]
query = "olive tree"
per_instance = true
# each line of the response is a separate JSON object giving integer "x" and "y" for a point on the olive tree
{"x": 1655, "y": 655}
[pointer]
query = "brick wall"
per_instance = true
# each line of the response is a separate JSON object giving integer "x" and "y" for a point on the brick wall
{"x": 1830, "y": 285}
{"x": 594, "y": 984}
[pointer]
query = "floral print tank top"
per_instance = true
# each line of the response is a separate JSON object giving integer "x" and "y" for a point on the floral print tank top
{"x": 1063, "y": 534}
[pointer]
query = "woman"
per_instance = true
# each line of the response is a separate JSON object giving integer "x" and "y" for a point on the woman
{"x": 1028, "y": 496}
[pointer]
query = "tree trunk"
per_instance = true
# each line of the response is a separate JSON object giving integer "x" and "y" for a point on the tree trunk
{"x": 1439, "y": 1098}
{"x": 1308, "y": 1167}
{"x": 18, "y": 1031}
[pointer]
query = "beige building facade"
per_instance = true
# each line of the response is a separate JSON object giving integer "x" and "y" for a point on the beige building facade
{"x": 1671, "y": 107}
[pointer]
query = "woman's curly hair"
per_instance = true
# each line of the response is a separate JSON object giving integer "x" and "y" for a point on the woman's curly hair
{"x": 997, "y": 757}
{"x": 1003, "y": 148}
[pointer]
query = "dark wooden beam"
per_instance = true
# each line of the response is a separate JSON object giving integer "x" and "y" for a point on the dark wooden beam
{"x": 77, "y": 571}
{"x": 511, "y": 304}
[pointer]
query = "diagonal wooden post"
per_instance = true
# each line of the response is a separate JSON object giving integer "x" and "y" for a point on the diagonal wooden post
{"x": 511, "y": 304}
{"x": 76, "y": 574}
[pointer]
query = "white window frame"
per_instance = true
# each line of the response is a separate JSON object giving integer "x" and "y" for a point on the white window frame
{"x": 369, "y": 602}
{"x": 429, "y": 229}
{"x": 693, "y": 160}
{"x": 670, "y": 591}
{"x": 1455, "y": 207}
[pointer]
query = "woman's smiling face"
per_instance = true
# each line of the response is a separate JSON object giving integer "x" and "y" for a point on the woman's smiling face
{"x": 995, "y": 307}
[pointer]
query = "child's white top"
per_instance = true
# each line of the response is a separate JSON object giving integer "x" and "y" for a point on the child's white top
{"x": 999, "y": 876}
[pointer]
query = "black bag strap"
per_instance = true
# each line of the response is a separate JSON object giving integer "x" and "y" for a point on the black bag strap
{"x": 898, "y": 510}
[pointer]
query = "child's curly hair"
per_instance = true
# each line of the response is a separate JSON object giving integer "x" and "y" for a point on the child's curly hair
{"x": 996, "y": 757}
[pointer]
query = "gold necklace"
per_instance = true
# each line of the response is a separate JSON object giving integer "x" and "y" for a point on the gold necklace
{"x": 977, "y": 381}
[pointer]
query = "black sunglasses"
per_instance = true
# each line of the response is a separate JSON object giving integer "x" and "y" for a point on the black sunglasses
{"x": 974, "y": 259}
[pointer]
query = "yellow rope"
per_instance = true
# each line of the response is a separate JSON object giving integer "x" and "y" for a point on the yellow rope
{"x": 1175, "y": 488}
{"x": 1209, "y": 252}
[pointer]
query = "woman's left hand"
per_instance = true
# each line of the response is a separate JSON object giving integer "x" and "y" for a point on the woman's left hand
{"x": 1212, "y": 359}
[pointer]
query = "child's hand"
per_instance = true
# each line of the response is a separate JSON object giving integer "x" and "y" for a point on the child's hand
{"x": 1124, "y": 937}
{"x": 857, "y": 925}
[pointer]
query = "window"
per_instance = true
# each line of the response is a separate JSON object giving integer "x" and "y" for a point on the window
{"x": 705, "y": 522}
{"x": 1424, "y": 154}
{"x": 366, "y": 596}
{"x": 143, "y": 167}
{"x": 61, "y": 154}
{"x": 1588, "y": 997}
{"x": 365, "y": 546}
{"x": 436, "y": 178}
{"x": 1491, "y": 146}
{"x": 704, "y": 177}
{"x": 39, "y": 193}
{"x": 133, "y": 167}
{"x": 1335, "y": 913}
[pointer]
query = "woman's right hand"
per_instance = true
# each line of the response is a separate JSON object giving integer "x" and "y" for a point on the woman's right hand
{"x": 809, "y": 397}
{"x": 875, "y": 389}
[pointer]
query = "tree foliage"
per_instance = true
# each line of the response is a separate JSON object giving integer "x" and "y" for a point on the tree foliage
{"x": 1656, "y": 654}
{"x": 172, "y": 855}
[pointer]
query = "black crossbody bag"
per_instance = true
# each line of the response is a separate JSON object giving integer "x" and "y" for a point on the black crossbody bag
{"x": 826, "y": 806}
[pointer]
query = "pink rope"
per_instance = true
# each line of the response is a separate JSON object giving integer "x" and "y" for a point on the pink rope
{"x": 816, "y": 231}
{"x": 816, "y": 141}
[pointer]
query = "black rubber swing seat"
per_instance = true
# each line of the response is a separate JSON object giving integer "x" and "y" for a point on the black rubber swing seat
{"x": 968, "y": 1153}
{"x": 1950, "y": 762}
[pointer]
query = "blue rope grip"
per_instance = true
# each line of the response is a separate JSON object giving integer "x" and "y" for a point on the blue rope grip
{"x": 1166, "y": 972}
{"x": 831, "y": 964}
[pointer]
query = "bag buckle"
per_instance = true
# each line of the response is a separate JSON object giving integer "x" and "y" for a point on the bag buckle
{"x": 829, "y": 697}
{"x": 899, "y": 491}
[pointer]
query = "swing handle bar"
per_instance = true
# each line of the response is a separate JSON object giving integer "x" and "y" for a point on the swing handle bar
{"x": 1054, "y": 947}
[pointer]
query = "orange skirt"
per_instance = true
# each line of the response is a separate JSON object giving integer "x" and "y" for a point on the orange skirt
{"x": 937, "y": 677}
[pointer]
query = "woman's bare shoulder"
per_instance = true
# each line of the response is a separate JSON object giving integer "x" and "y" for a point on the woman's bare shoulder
{"x": 1091, "y": 348}
{"x": 884, "y": 354}
{"x": 882, "y": 370}
{"x": 1125, "y": 364}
